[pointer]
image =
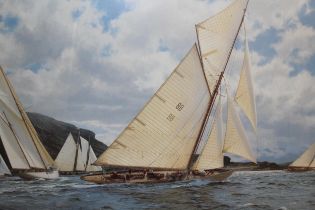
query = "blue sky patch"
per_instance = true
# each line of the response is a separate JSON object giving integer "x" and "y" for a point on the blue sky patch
{"x": 263, "y": 44}
{"x": 106, "y": 51}
{"x": 309, "y": 65}
{"x": 163, "y": 46}
{"x": 10, "y": 23}
{"x": 76, "y": 14}
{"x": 34, "y": 67}
{"x": 112, "y": 10}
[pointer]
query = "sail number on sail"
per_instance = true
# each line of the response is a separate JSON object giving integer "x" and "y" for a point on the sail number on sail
{"x": 179, "y": 107}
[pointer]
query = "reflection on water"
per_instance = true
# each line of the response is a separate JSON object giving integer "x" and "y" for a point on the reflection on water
{"x": 243, "y": 190}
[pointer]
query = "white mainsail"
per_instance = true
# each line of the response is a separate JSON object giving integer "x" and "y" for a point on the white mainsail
{"x": 245, "y": 92}
{"x": 88, "y": 156}
{"x": 4, "y": 170}
{"x": 313, "y": 163}
{"x": 164, "y": 133}
{"x": 306, "y": 159}
{"x": 211, "y": 156}
{"x": 19, "y": 138}
{"x": 92, "y": 159}
{"x": 216, "y": 37}
{"x": 66, "y": 156}
{"x": 235, "y": 141}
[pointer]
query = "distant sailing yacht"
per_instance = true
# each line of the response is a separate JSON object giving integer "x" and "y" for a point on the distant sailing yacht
{"x": 75, "y": 159}
{"x": 20, "y": 146}
{"x": 305, "y": 162}
{"x": 159, "y": 143}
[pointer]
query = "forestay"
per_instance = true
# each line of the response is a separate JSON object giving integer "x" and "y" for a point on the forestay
{"x": 66, "y": 156}
{"x": 305, "y": 160}
{"x": 216, "y": 37}
{"x": 164, "y": 133}
{"x": 211, "y": 156}
{"x": 245, "y": 91}
{"x": 235, "y": 141}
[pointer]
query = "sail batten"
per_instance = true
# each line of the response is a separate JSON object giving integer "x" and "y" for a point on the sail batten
{"x": 236, "y": 141}
{"x": 306, "y": 159}
{"x": 163, "y": 134}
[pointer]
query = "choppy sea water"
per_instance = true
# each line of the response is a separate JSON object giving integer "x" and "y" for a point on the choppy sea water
{"x": 243, "y": 190}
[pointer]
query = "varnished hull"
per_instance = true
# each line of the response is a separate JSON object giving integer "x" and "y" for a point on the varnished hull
{"x": 140, "y": 178}
{"x": 300, "y": 169}
{"x": 215, "y": 176}
{"x": 136, "y": 178}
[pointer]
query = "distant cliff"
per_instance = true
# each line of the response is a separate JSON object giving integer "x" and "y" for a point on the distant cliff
{"x": 53, "y": 134}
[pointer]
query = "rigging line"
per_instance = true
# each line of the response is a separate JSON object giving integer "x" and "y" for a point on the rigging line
{"x": 24, "y": 118}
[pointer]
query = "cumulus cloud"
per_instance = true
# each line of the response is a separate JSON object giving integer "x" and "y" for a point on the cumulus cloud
{"x": 80, "y": 62}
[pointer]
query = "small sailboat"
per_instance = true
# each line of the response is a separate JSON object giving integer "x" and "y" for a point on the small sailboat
{"x": 20, "y": 145}
{"x": 160, "y": 143}
{"x": 305, "y": 162}
{"x": 76, "y": 158}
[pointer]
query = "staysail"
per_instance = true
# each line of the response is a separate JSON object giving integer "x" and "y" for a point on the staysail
{"x": 235, "y": 141}
{"x": 164, "y": 133}
{"x": 211, "y": 156}
{"x": 3, "y": 167}
{"x": 88, "y": 156}
{"x": 19, "y": 138}
{"x": 65, "y": 158}
{"x": 306, "y": 159}
{"x": 92, "y": 159}
{"x": 216, "y": 37}
{"x": 245, "y": 92}
{"x": 84, "y": 150}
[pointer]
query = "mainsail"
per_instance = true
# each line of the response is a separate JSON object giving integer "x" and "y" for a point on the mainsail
{"x": 88, "y": 156}
{"x": 245, "y": 91}
{"x": 163, "y": 134}
{"x": 92, "y": 159}
{"x": 216, "y": 37}
{"x": 19, "y": 138}
{"x": 306, "y": 159}
{"x": 211, "y": 156}
{"x": 84, "y": 150}
{"x": 235, "y": 141}
{"x": 66, "y": 156}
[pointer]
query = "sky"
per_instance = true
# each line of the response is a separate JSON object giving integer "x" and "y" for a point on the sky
{"x": 96, "y": 63}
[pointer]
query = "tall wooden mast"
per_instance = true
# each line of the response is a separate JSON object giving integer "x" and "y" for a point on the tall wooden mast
{"x": 215, "y": 91}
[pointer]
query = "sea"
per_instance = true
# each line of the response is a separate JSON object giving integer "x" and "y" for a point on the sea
{"x": 243, "y": 190}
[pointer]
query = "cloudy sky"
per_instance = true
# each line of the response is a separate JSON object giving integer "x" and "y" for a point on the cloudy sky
{"x": 95, "y": 63}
